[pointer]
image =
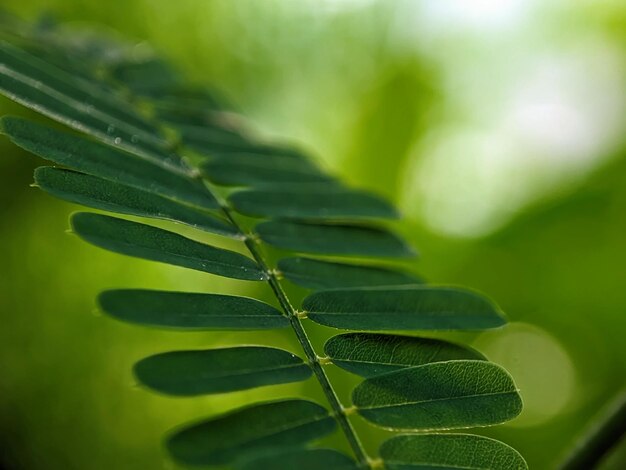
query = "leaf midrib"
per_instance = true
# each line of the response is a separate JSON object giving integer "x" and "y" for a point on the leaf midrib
{"x": 433, "y": 400}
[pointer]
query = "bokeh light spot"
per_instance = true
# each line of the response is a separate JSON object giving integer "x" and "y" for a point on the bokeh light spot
{"x": 542, "y": 368}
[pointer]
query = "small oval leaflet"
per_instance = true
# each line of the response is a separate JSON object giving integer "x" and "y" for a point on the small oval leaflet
{"x": 441, "y": 395}
{"x": 105, "y": 195}
{"x": 351, "y": 240}
{"x": 246, "y": 169}
{"x": 299, "y": 459}
{"x": 155, "y": 244}
{"x": 317, "y": 274}
{"x": 342, "y": 204}
{"x": 104, "y": 161}
{"x": 265, "y": 426}
{"x": 417, "y": 307}
{"x": 371, "y": 354}
{"x": 449, "y": 452}
{"x": 190, "y": 311}
{"x": 188, "y": 373}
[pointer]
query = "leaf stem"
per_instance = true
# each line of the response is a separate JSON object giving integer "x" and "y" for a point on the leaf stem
{"x": 309, "y": 351}
{"x": 605, "y": 433}
{"x": 274, "y": 276}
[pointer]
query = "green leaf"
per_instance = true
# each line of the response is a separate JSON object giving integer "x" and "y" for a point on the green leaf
{"x": 105, "y": 162}
{"x": 322, "y": 204}
{"x": 106, "y": 195}
{"x": 441, "y": 395}
{"x": 317, "y": 274}
{"x": 272, "y": 425}
{"x": 371, "y": 354}
{"x": 421, "y": 307}
{"x": 145, "y": 77}
{"x": 300, "y": 459}
{"x": 19, "y": 62}
{"x": 449, "y": 452}
{"x": 57, "y": 94}
{"x": 201, "y": 137}
{"x": 144, "y": 241}
{"x": 190, "y": 311}
{"x": 189, "y": 373}
{"x": 249, "y": 169}
{"x": 333, "y": 239}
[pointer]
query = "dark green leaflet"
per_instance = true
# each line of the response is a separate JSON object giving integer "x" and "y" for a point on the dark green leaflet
{"x": 29, "y": 81}
{"x": 333, "y": 239}
{"x": 190, "y": 311}
{"x": 300, "y": 459}
{"x": 144, "y": 241}
{"x": 317, "y": 274}
{"x": 371, "y": 354}
{"x": 202, "y": 136}
{"x": 146, "y": 77}
{"x": 188, "y": 373}
{"x": 449, "y": 452}
{"x": 273, "y": 425}
{"x": 20, "y": 62}
{"x": 105, "y": 162}
{"x": 106, "y": 195}
{"x": 420, "y": 307}
{"x": 301, "y": 204}
{"x": 441, "y": 395}
{"x": 257, "y": 170}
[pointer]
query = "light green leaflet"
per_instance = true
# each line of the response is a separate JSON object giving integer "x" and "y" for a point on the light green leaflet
{"x": 449, "y": 452}
{"x": 144, "y": 241}
{"x": 333, "y": 239}
{"x": 299, "y": 459}
{"x": 441, "y": 395}
{"x": 104, "y": 161}
{"x": 371, "y": 354}
{"x": 317, "y": 274}
{"x": 64, "y": 98}
{"x": 190, "y": 311}
{"x": 273, "y": 425}
{"x": 105, "y": 195}
{"x": 420, "y": 307}
{"x": 188, "y": 373}
{"x": 339, "y": 204}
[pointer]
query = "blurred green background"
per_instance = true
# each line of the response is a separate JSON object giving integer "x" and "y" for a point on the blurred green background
{"x": 497, "y": 126}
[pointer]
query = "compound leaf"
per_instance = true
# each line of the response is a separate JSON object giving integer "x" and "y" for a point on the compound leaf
{"x": 371, "y": 354}
{"x": 188, "y": 373}
{"x": 317, "y": 274}
{"x": 190, "y": 311}
{"x": 333, "y": 239}
{"x": 441, "y": 395}
{"x": 106, "y": 195}
{"x": 147, "y": 242}
{"x": 272, "y": 425}
{"x": 449, "y": 452}
{"x": 420, "y": 307}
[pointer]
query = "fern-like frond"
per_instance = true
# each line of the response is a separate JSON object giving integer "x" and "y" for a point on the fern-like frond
{"x": 183, "y": 158}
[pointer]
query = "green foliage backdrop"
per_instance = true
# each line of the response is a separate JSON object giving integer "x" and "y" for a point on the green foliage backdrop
{"x": 68, "y": 397}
